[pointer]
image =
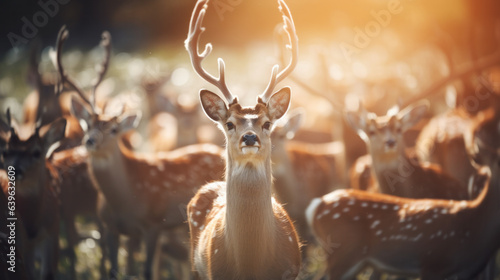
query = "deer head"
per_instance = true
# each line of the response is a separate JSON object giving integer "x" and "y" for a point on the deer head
{"x": 28, "y": 155}
{"x": 384, "y": 134}
{"x": 247, "y": 129}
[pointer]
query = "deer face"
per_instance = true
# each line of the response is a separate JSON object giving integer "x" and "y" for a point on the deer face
{"x": 27, "y": 156}
{"x": 384, "y": 134}
{"x": 247, "y": 129}
{"x": 102, "y": 131}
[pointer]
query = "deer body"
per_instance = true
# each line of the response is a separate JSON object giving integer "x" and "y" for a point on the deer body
{"x": 303, "y": 171}
{"x": 442, "y": 142}
{"x": 237, "y": 229}
{"x": 36, "y": 194}
{"x": 395, "y": 171}
{"x": 433, "y": 239}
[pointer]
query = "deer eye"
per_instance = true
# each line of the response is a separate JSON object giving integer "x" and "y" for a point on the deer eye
{"x": 267, "y": 125}
{"x": 114, "y": 130}
{"x": 230, "y": 125}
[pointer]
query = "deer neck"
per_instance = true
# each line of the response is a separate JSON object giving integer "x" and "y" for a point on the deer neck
{"x": 385, "y": 163}
{"x": 250, "y": 223}
{"x": 109, "y": 171}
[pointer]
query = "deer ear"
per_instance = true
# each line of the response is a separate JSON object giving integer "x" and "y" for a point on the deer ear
{"x": 412, "y": 114}
{"x": 357, "y": 121}
{"x": 295, "y": 118}
{"x": 278, "y": 103}
{"x": 129, "y": 121}
{"x": 213, "y": 105}
{"x": 54, "y": 133}
{"x": 79, "y": 110}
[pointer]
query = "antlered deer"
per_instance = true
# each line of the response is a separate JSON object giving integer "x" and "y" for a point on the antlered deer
{"x": 142, "y": 194}
{"x": 433, "y": 239}
{"x": 238, "y": 231}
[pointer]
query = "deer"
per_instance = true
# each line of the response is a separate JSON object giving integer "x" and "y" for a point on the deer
{"x": 184, "y": 124}
{"x": 46, "y": 103}
{"x": 396, "y": 172}
{"x": 159, "y": 186}
{"x": 441, "y": 141}
{"x": 36, "y": 192}
{"x": 237, "y": 229}
{"x": 430, "y": 238}
{"x": 303, "y": 171}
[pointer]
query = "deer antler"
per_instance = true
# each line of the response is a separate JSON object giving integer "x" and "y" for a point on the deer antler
{"x": 61, "y": 38}
{"x": 103, "y": 68}
{"x": 289, "y": 28}
{"x": 191, "y": 44}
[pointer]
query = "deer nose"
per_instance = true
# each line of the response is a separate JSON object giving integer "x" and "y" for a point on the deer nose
{"x": 90, "y": 142}
{"x": 390, "y": 143}
{"x": 249, "y": 139}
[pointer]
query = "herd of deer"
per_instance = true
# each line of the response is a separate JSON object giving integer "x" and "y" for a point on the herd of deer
{"x": 254, "y": 206}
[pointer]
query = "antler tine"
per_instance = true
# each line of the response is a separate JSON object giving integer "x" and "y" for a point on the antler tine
{"x": 103, "y": 68}
{"x": 61, "y": 38}
{"x": 289, "y": 28}
{"x": 191, "y": 44}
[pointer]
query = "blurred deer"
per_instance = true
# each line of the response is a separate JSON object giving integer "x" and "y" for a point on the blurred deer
{"x": 36, "y": 187}
{"x": 303, "y": 171}
{"x": 238, "y": 231}
{"x": 395, "y": 171}
{"x": 159, "y": 186}
{"x": 47, "y": 103}
{"x": 162, "y": 127}
{"x": 415, "y": 237}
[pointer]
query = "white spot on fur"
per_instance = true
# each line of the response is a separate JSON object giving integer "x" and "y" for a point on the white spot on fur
{"x": 216, "y": 250}
{"x": 364, "y": 204}
{"x": 346, "y": 209}
{"x": 375, "y": 224}
{"x": 378, "y": 233}
{"x": 336, "y": 215}
{"x": 428, "y": 221}
{"x": 396, "y": 207}
{"x": 356, "y": 218}
{"x": 198, "y": 213}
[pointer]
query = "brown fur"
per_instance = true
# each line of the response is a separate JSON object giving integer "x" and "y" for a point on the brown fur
{"x": 433, "y": 239}
{"x": 237, "y": 229}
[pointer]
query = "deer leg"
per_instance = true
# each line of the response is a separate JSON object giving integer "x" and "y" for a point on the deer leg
{"x": 151, "y": 259}
{"x": 345, "y": 268}
{"x": 113, "y": 240}
{"x": 133, "y": 245}
{"x": 72, "y": 238}
{"x": 102, "y": 245}
{"x": 50, "y": 255}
